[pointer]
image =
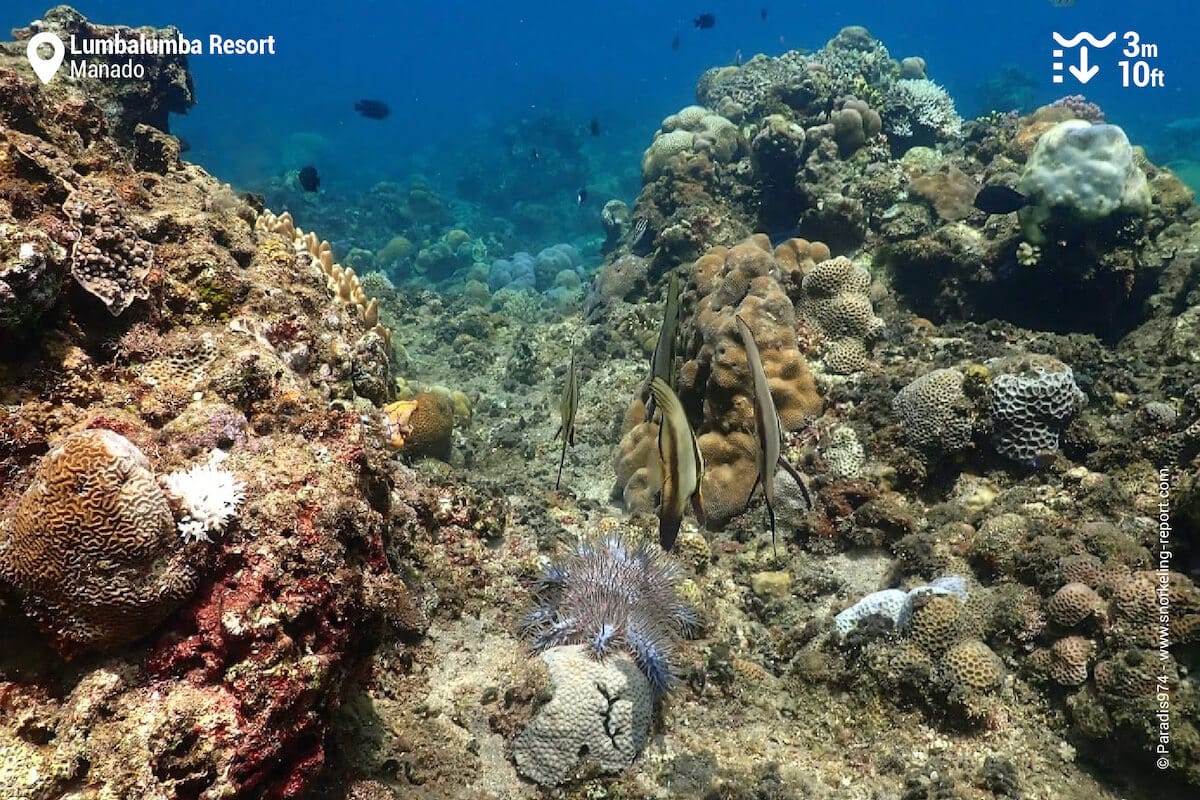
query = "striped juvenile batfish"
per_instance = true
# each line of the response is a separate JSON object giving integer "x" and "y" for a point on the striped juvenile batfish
{"x": 767, "y": 429}
{"x": 570, "y": 402}
{"x": 682, "y": 465}
{"x": 662, "y": 363}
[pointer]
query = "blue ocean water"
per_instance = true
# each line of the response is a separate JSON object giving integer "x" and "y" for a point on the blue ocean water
{"x": 484, "y": 82}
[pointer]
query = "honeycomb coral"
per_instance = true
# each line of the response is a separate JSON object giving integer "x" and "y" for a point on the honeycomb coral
{"x": 1065, "y": 662}
{"x": 92, "y": 548}
{"x": 836, "y": 304}
{"x": 1072, "y": 604}
{"x": 973, "y": 665}
{"x": 599, "y": 712}
{"x": 937, "y": 416}
{"x": 1032, "y": 399}
{"x": 936, "y": 625}
{"x": 714, "y": 382}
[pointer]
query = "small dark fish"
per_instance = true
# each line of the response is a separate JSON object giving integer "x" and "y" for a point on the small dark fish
{"x": 997, "y": 199}
{"x": 705, "y": 21}
{"x": 1062, "y": 3}
{"x": 372, "y": 109}
{"x": 675, "y": 42}
{"x": 184, "y": 144}
{"x": 534, "y": 155}
{"x": 662, "y": 362}
{"x": 581, "y": 198}
{"x": 762, "y": 13}
{"x": 594, "y": 127}
{"x": 310, "y": 181}
{"x": 682, "y": 465}
{"x": 567, "y": 408}
{"x": 254, "y": 200}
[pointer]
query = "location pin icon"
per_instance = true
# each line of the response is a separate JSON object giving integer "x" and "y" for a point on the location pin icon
{"x": 45, "y": 67}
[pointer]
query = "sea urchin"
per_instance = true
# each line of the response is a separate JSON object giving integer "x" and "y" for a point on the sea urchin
{"x": 611, "y": 595}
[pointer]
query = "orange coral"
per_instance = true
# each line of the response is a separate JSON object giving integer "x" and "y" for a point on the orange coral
{"x": 714, "y": 380}
{"x": 423, "y": 426}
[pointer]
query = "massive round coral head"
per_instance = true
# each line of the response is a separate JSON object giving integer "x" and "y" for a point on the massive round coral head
{"x": 423, "y": 426}
{"x": 92, "y": 548}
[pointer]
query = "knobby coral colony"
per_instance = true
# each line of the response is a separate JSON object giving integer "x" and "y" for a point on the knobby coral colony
{"x": 611, "y": 595}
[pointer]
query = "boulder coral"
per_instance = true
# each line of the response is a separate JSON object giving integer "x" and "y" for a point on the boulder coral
{"x": 691, "y": 129}
{"x": 714, "y": 380}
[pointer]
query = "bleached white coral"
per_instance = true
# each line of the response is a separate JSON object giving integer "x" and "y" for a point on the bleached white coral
{"x": 917, "y": 106}
{"x": 208, "y": 496}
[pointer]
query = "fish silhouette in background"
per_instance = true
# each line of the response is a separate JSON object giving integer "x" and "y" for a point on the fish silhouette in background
{"x": 372, "y": 109}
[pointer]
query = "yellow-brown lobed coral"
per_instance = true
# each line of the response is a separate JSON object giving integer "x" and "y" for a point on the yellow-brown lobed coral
{"x": 714, "y": 381}
{"x": 423, "y": 426}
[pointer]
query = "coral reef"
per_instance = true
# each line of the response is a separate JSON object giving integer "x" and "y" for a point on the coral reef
{"x": 212, "y": 667}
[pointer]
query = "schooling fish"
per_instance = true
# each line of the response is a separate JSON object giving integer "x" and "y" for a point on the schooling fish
{"x": 372, "y": 109}
{"x": 762, "y": 12}
{"x": 570, "y": 402}
{"x": 675, "y": 42}
{"x": 594, "y": 127}
{"x": 705, "y": 21}
{"x": 581, "y": 197}
{"x": 682, "y": 465}
{"x": 310, "y": 181}
{"x": 998, "y": 199}
{"x": 767, "y": 429}
{"x": 662, "y": 363}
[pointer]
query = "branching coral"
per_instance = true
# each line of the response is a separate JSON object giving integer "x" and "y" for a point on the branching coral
{"x": 207, "y": 496}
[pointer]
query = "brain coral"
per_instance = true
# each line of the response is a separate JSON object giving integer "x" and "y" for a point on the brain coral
{"x": 92, "y": 548}
{"x": 714, "y": 380}
{"x": 423, "y": 426}
{"x": 1032, "y": 400}
{"x": 836, "y": 304}
{"x": 599, "y": 714}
